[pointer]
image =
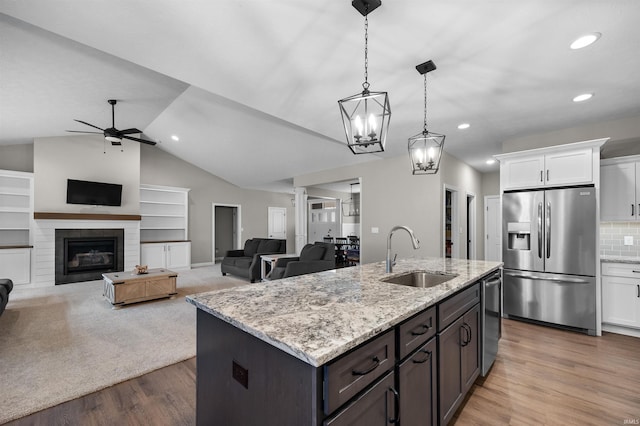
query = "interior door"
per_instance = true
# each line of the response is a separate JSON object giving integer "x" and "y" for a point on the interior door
{"x": 278, "y": 223}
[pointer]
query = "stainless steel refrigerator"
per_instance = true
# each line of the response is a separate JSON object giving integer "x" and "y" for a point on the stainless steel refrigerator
{"x": 549, "y": 255}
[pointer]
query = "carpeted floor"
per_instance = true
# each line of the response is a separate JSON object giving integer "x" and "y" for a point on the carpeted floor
{"x": 59, "y": 343}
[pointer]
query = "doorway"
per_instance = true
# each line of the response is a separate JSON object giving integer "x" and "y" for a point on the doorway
{"x": 450, "y": 222}
{"x": 471, "y": 226}
{"x": 226, "y": 227}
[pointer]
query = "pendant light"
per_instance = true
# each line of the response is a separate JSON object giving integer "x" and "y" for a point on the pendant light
{"x": 349, "y": 208}
{"x": 425, "y": 148}
{"x": 366, "y": 115}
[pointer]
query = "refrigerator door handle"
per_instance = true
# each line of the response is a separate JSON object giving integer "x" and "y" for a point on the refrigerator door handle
{"x": 548, "y": 230}
{"x": 540, "y": 230}
{"x": 554, "y": 279}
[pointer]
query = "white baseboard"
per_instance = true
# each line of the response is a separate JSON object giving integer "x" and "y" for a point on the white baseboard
{"x": 621, "y": 330}
{"x": 200, "y": 265}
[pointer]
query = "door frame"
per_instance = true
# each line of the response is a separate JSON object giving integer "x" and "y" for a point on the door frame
{"x": 455, "y": 230}
{"x": 470, "y": 208}
{"x": 238, "y": 226}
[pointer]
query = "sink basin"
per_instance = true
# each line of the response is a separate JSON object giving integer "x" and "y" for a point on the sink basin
{"x": 423, "y": 279}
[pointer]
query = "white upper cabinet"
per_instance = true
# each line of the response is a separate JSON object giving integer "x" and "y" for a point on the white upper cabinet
{"x": 571, "y": 164}
{"x": 620, "y": 189}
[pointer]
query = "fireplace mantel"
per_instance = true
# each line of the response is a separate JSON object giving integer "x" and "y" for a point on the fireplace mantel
{"x": 84, "y": 216}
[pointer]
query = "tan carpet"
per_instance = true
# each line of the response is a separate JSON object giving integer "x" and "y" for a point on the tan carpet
{"x": 59, "y": 343}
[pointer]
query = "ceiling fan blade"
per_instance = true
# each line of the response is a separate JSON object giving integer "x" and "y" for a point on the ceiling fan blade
{"x": 84, "y": 122}
{"x": 82, "y": 131}
{"x": 129, "y": 131}
{"x": 139, "y": 140}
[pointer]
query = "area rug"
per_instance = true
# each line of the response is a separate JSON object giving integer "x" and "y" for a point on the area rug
{"x": 59, "y": 343}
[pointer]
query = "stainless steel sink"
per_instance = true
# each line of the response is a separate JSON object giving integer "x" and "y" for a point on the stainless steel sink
{"x": 423, "y": 279}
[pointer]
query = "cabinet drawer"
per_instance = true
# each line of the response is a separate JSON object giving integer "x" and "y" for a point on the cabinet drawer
{"x": 415, "y": 331}
{"x": 455, "y": 306}
{"x": 346, "y": 376}
{"x": 627, "y": 270}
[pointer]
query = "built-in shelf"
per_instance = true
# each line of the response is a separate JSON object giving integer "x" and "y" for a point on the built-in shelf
{"x": 16, "y": 221}
{"x": 165, "y": 213}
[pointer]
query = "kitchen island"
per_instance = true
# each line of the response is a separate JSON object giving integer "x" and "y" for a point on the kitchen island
{"x": 299, "y": 350}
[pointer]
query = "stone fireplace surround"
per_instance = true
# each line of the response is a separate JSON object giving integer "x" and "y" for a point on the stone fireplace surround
{"x": 45, "y": 225}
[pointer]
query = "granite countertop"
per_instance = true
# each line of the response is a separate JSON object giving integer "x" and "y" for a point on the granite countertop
{"x": 317, "y": 317}
{"x": 619, "y": 259}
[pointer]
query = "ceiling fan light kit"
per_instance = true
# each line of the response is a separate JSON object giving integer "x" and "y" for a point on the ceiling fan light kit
{"x": 112, "y": 134}
{"x": 425, "y": 148}
{"x": 366, "y": 115}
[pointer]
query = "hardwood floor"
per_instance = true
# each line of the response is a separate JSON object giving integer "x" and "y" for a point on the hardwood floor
{"x": 541, "y": 376}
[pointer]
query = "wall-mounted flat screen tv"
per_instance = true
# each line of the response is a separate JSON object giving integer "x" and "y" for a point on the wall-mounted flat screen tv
{"x": 93, "y": 193}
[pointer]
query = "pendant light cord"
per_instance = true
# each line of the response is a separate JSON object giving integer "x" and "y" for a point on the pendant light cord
{"x": 425, "y": 105}
{"x": 365, "y": 85}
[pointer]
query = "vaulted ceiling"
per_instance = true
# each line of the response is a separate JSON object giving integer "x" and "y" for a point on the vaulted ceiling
{"x": 251, "y": 87}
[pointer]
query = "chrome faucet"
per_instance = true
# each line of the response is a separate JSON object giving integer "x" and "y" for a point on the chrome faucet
{"x": 414, "y": 241}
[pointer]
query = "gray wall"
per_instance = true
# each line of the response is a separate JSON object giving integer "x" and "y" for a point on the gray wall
{"x": 160, "y": 168}
{"x": 85, "y": 158}
{"x": 620, "y": 131}
{"x": 17, "y": 157}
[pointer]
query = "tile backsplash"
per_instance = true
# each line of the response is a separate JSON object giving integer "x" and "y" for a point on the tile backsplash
{"x": 612, "y": 238}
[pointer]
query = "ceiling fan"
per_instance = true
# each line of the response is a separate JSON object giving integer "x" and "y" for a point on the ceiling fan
{"x": 112, "y": 134}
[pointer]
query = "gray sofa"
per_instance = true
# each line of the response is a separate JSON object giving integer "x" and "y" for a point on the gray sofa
{"x": 6, "y": 285}
{"x": 314, "y": 257}
{"x": 246, "y": 263}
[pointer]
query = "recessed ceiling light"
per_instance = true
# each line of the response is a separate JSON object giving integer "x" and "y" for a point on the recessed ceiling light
{"x": 583, "y": 97}
{"x": 491, "y": 161}
{"x": 175, "y": 138}
{"x": 464, "y": 126}
{"x": 585, "y": 40}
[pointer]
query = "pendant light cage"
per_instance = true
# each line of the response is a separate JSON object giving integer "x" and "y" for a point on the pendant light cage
{"x": 351, "y": 208}
{"x": 366, "y": 115}
{"x": 425, "y": 148}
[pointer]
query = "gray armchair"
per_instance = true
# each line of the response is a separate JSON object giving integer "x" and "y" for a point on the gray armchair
{"x": 314, "y": 257}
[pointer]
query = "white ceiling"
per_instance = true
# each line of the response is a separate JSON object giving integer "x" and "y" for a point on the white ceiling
{"x": 251, "y": 87}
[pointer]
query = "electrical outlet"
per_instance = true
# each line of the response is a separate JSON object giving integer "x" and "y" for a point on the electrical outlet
{"x": 628, "y": 240}
{"x": 374, "y": 230}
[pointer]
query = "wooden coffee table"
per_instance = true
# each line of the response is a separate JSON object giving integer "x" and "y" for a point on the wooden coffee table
{"x": 122, "y": 288}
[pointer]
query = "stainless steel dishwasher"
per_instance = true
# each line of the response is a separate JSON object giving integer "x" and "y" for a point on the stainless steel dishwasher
{"x": 490, "y": 319}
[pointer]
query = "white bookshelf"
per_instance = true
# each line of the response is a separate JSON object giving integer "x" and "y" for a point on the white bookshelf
{"x": 165, "y": 213}
{"x": 16, "y": 219}
{"x": 164, "y": 227}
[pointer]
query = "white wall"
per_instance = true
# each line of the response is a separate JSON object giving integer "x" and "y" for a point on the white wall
{"x": 84, "y": 157}
{"x": 17, "y": 157}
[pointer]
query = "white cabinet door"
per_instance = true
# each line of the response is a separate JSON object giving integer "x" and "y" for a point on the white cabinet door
{"x": 15, "y": 264}
{"x": 178, "y": 255}
{"x": 524, "y": 172}
{"x": 621, "y": 301}
{"x": 153, "y": 255}
{"x": 618, "y": 192}
{"x": 569, "y": 168}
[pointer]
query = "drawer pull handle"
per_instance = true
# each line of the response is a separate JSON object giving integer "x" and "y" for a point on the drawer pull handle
{"x": 424, "y": 329}
{"x": 422, "y": 361}
{"x": 636, "y": 272}
{"x": 376, "y": 363}
{"x": 396, "y": 398}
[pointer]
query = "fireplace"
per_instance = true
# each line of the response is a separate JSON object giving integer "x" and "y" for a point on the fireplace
{"x": 85, "y": 254}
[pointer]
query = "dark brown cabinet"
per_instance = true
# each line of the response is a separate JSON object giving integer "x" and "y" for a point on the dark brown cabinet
{"x": 417, "y": 377}
{"x": 459, "y": 361}
{"x": 377, "y": 407}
